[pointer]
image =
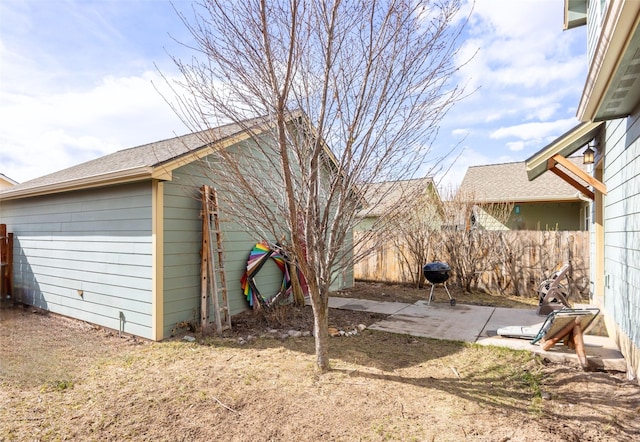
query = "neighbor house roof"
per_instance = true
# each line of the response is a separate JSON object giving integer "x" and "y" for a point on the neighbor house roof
{"x": 154, "y": 160}
{"x": 508, "y": 182}
{"x": 385, "y": 195}
{"x": 5, "y": 181}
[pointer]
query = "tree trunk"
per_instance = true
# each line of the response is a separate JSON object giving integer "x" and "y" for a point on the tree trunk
{"x": 298, "y": 294}
{"x": 320, "y": 305}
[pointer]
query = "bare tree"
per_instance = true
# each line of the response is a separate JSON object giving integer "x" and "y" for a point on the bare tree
{"x": 470, "y": 236}
{"x": 370, "y": 79}
{"x": 415, "y": 230}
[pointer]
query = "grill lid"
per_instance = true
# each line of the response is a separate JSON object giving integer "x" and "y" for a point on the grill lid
{"x": 437, "y": 266}
{"x": 436, "y": 272}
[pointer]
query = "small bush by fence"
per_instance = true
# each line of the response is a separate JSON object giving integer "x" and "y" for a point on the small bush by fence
{"x": 508, "y": 262}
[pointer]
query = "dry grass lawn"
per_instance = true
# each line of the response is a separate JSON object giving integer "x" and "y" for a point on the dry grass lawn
{"x": 67, "y": 380}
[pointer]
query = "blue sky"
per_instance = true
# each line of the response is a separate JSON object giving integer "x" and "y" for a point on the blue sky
{"x": 79, "y": 79}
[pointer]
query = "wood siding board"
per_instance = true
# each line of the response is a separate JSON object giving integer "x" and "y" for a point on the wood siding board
{"x": 183, "y": 238}
{"x": 66, "y": 203}
{"x": 88, "y": 242}
{"x": 182, "y": 270}
{"x": 185, "y": 283}
{"x": 113, "y": 322}
{"x": 32, "y": 209}
{"x": 182, "y": 247}
{"x": 183, "y": 225}
{"x": 93, "y": 301}
{"x": 77, "y": 270}
{"x": 622, "y": 227}
{"x": 96, "y": 257}
{"x": 546, "y": 216}
{"x": 124, "y": 294}
{"x": 622, "y": 223}
{"x": 96, "y": 241}
{"x": 102, "y": 270}
{"x": 114, "y": 227}
{"x": 75, "y": 281}
{"x": 122, "y": 214}
{"x": 182, "y": 243}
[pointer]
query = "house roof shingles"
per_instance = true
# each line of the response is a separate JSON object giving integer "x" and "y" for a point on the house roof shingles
{"x": 385, "y": 195}
{"x": 508, "y": 182}
{"x": 150, "y": 156}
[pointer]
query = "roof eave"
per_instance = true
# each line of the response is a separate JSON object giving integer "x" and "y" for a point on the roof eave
{"x": 575, "y": 13}
{"x": 535, "y": 199}
{"x": 617, "y": 43}
{"x": 565, "y": 145}
{"x": 89, "y": 182}
{"x": 162, "y": 172}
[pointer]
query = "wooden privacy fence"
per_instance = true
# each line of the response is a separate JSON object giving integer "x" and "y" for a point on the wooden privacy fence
{"x": 509, "y": 262}
{"x": 6, "y": 261}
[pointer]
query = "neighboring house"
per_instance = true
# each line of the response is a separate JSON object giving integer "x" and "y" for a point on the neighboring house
{"x": 545, "y": 204}
{"x": 5, "y": 181}
{"x": 457, "y": 216}
{"x": 610, "y": 111}
{"x": 116, "y": 241}
{"x": 385, "y": 201}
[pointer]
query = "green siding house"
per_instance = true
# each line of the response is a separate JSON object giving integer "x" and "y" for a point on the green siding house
{"x": 609, "y": 110}
{"x": 548, "y": 203}
{"x": 116, "y": 241}
{"x": 388, "y": 200}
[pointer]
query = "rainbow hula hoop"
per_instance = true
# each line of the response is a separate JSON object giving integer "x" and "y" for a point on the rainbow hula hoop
{"x": 258, "y": 256}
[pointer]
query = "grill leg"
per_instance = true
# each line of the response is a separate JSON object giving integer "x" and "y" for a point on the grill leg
{"x": 445, "y": 287}
{"x": 452, "y": 301}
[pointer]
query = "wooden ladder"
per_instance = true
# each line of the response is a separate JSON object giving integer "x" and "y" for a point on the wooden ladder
{"x": 214, "y": 282}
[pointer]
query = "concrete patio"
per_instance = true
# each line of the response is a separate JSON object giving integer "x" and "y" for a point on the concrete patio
{"x": 477, "y": 324}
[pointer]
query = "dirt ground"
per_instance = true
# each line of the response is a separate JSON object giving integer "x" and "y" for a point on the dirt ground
{"x": 410, "y": 294}
{"x": 62, "y": 379}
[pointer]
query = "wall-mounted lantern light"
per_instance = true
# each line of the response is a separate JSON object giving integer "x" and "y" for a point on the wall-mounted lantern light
{"x": 588, "y": 155}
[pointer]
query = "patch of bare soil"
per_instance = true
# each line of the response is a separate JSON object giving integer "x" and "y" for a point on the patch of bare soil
{"x": 62, "y": 379}
{"x": 283, "y": 319}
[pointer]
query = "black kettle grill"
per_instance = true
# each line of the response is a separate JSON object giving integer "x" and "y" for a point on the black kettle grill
{"x": 438, "y": 272}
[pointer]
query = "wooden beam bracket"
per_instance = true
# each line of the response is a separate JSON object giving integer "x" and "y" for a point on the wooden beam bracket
{"x": 591, "y": 181}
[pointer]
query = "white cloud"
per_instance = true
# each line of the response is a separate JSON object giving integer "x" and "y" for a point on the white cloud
{"x": 463, "y": 132}
{"x": 522, "y": 52}
{"x": 77, "y": 81}
{"x": 455, "y": 167}
{"x": 56, "y": 130}
{"x": 515, "y": 146}
{"x": 534, "y": 131}
{"x": 527, "y": 74}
